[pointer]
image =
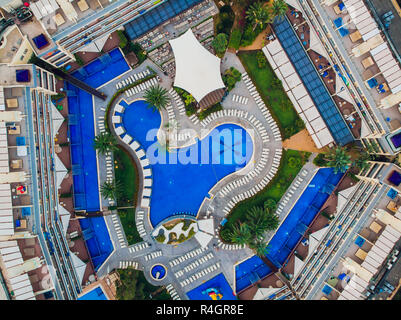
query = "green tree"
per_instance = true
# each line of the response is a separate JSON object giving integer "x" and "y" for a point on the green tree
{"x": 241, "y": 234}
{"x": 279, "y": 8}
{"x": 257, "y": 221}
{"x": 362, "y": 161}
{"x": 111, "y": 189}
{"x": 338, "y": 159}
{"x": 156, "y": 97}
{"x": 258, "y": 15}
{"x": 271, "y": 205}
{"x": 105, "y": 142}
{"x": 220, "y": 43}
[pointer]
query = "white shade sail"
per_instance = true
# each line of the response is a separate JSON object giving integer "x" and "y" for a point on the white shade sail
{"x": 197, "y": 70}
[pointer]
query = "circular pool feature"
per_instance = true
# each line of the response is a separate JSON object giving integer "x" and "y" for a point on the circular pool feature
{"x": 158, "y": 272}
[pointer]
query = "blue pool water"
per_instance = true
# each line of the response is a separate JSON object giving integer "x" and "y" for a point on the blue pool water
{"x": 291, "y": 230}
{"x": 97, "y": 239}
{"x": 103, "y": 69}
{"x": 219, "y": 282}
{"x": 158, "y": 272}
{"x": 81, "y": 127}
{"x": 95, "y": 294}
{"x": 181, "y": 187}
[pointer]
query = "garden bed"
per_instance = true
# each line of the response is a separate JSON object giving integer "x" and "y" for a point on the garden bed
{"x": 291, "y": 163}
{"x": 273, "y": 94}
{"x": 126, "y": 173}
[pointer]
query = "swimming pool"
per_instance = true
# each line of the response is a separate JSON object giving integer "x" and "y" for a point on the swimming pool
{"x": 97, "y": 239}
{"x": 81, "y": 127}
{"x": 158, "y": 272}
{"x": 95, "y": 294}
{"x": 291, "y": 230}
{"x": 217, "y": 284}
{"x": 181, "y": 187}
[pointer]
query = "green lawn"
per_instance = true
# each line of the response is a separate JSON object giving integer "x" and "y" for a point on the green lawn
{"x": 274, "y": 97}
{"x": 274, "y": 190}
{"x": 125, "y": 172}
{"x": 134, "y": 286}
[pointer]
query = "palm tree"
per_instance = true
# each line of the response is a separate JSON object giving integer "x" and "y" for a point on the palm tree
{"x": 339, "y": 159}
{"x": 105, "y": 142}
{"x": 111, "y": 189}
{"x": 362, "y": 161}
{"x": 241, "y": 234}
{"x": 279, "y": 8}
{"x": 257, "y": 221}
{"x": 258, "y": 15}
{"x": 157, "y": 97}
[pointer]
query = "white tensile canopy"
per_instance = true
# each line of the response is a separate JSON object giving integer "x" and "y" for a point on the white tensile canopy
{"x": 197, "y": 70}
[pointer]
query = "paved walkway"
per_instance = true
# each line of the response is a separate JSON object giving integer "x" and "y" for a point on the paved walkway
{"x": 214, "y": 206}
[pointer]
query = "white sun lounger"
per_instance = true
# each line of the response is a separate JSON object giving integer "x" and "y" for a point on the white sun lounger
{"x": 145, "y": 202}
{"x": 119, "y": 108}
{"x": 145, "y": 163}
{"x": 147, "y": 192}
{"x": 127, "y": 139}
{"x": 119, "y": 130}
{"x": 116, "y": 119}
{"x": 147, "y": 182}
{"x": 140, "y": 154}
{"x": 134, "y": 145}
{"x": 147, "y": 172}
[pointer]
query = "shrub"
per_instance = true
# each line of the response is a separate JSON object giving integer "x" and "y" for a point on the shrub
{"x": 235, "y": 39}
{"x": 219, "y": 43}
{"x": 160, "y": 238}
{"x": 214, "y": 108}
{"x": 123, "y": 39}
{"x": 299, "y": 124}
{"x": 231, "y": 77}
{"x": 225, "y": 20}
{"x": 320, "y": 161}
{"x": 249, "y": 35}
{"x": 276, "y": 83}
{"x": 293, "y": 162}
{"x": 260, "y": 56}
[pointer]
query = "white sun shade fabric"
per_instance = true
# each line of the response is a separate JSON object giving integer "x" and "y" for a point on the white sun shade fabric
{"x": 197, "y": 70}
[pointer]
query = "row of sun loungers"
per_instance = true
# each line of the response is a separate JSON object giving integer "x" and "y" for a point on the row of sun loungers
{"x": 141, "y": 87}
{"x": 118, "y": 229}
{"x": 140, "y": 153}
{"x": 139, "y": 223}
{"x": 138, "y": 247}
{"x": 153, "y": 255}
{"x": 100, "y": 124}
{"x": 126, "y": 264}
{"x": 240, "y": 99}
{"x": 132, "y": 79}
{"x": 266, "y": 113}
{"x": 194, "y": 119}
{"x": 170, "y": 112}
{"x": 229, "y": 246}
{"x": 253, "y": 174}
{"x": 250, "y": 176}
{"x": 190, "y": 254}
{"x": 239, "y": 114}
{"x": 173, "y": 293}
{"x": 290, "y": 192}
{"x": 178, "y": 101}
{"x": 200, "y": 274}
{"x": 194, "y": 265}
{"x": 184, "y": 136}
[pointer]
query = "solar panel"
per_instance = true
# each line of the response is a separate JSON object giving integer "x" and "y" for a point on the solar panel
{"x": 312, "y": 81}
{"x": 157, "y": 16}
